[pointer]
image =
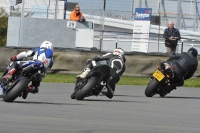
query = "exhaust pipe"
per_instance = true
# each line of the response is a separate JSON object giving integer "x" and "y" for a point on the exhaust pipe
{"x": 28, "y": 69}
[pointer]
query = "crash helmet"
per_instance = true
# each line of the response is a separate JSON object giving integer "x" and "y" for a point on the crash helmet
{"x": 119, "y": 52}
{"x": 47, "y": 45}
{"x": 193, "y": 51}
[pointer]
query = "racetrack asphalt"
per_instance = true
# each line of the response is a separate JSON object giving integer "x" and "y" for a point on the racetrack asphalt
{"x": 53, "y": 111}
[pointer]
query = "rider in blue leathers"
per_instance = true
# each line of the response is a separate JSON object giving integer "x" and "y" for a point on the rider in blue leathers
{"x": 44, "y": 54}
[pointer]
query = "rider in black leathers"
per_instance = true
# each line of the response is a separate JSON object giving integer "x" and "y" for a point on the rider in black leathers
{"x": 184, "y": 66}
{"x": 116, "y": 61}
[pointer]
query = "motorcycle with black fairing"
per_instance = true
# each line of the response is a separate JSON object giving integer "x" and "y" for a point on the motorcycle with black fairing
{"x": 18, "y": 85}
{"x": 161, "y": 81}
{"x": 96, "y": 81}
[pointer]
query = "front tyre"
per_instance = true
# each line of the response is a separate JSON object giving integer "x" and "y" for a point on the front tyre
{"x": 73, "y": 95}
{"x": 152, "y": 88}
{"x": 17, "y": 90}
{"x": 87, "y": 89}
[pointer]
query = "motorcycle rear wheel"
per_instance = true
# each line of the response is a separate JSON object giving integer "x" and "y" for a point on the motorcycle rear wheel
{"x": 151, "y": 88}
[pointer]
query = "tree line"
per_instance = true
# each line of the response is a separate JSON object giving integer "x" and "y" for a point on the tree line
{"x": 3, "y": 26}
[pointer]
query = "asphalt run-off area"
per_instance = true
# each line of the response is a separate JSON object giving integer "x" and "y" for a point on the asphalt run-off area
{"x": 53, "y": 111}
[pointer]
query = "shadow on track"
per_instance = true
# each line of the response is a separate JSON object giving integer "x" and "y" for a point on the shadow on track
{"x": 122, "y": 101}
{"x": 180, "y": 97}
{"x": 127, "y": 96}
{"x": 24, "y": 102}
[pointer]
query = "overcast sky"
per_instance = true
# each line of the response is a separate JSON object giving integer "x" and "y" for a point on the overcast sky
{"x": 120, "y": 5}
{"x": 126, "y": 5}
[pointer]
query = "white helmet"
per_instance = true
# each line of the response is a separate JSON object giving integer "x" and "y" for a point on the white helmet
{"x": 47, "y": 44}
{"x": 119, "y": 51}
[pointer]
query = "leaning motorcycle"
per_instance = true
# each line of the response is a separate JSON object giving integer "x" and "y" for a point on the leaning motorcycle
{"x": 94, "y": 82}
{"x": 31, "y": 71}
{"x": 161, "y": 80}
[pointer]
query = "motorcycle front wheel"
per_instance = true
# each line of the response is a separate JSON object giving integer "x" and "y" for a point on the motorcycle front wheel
{"x": 87, "y": 89}
{"x": 16, "y": 90}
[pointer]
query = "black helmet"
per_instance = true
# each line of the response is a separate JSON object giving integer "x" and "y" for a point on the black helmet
{"x": 193, "y": 51}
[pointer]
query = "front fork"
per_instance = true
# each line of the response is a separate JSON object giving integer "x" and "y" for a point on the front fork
{"x": 1, "y": 90}
{"x": 80, "y": 83}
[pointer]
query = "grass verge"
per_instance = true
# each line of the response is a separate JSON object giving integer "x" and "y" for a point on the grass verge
{"x": 125, "y": 80}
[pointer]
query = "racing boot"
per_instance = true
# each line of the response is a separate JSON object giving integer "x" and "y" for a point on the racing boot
{"x": 10, "y": 74}
{"x": 107, "y": 93}
{"x": 104, "y": 91}
{"x": 84, "y": 74}
{"x": 31, "y": 89}
{"x": 25, "y": 93}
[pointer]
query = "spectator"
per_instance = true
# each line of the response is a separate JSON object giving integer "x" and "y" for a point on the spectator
{"x": 171, "y": 36}
{"x": 77, "y": 15}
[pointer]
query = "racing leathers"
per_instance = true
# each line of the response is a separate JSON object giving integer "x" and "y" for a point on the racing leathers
{"x": 45, "y": 56}
{"x": 184, "y": 66}
{"x": 117, "y": 68}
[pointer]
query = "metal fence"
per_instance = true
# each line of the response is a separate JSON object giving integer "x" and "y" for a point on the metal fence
{"x": 114, "y": 19}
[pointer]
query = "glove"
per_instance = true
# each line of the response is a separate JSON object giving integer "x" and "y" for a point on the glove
{"x": 13, "y": 58}
{"x": 81, "y": 19}
{"x": 88, "y": 61}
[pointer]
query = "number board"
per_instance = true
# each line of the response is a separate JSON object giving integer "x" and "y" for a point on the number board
{"x": 71, "y": 24}
{"x": 158, "y": 75}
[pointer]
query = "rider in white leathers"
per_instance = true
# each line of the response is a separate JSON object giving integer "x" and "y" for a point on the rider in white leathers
{"x": 44, "y": 54}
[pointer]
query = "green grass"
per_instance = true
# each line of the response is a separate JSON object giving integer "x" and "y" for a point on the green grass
{"x": 125, "y": 80}
{"x": 60, "y": 78}
{"x": 193, "y": 82}
{"x": 70, "y": 78}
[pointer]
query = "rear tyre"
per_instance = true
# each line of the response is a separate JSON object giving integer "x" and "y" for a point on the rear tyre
{"x": 85, "y": 91}
{"x": 17, "y": 90}
{"x": 163, "y": 94}
{"x": 151, "y": 88}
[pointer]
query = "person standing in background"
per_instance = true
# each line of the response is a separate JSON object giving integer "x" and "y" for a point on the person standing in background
{"x": 171, "y": 36}
{"x": 76, "y": 14}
